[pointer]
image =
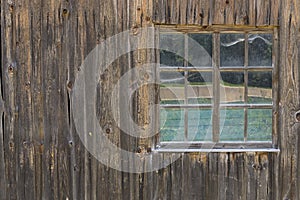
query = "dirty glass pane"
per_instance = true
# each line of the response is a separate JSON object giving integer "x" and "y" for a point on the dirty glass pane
{"x": 200, "y": 89}
{"x": 259, "y": 125}
{"x": 232, "y": 49}
{"x": 172, "y": 87}
{"x": 232, "y": 124}
{"x": 232, "y": 88}
{"x": 200, "y": 49}
{"x": 260, "y": 49}
{"x": 199, "y": 124}
{"x": 260, "y": 87}
{"x": 171, "y": 124}
{"x": 171, "y": 49}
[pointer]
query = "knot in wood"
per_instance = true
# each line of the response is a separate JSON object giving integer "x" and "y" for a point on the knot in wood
{"x": 69, "y": 85}
{"x": 11, "y": 69}
{"x": 65, "y": 11}
{"x": 297, "y": 116}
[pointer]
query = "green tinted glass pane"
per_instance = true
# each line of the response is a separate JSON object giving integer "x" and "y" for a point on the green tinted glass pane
{"x": 259, "y": 125}
{"x": 232, "y": 124}
{"x": 172, "y": 49}
{"x": 199, "y": 124}
{"x": 171, "y": 124}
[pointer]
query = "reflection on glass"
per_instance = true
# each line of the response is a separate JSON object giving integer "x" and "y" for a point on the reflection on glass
{"x": 172, "y": 49}
{"x": 260, "y": 87}
{"x": 171, "y": 124}
{"x": 171, "y": 87}
{"x": 199, "y": 124}
{"x": 200, "y": 89}
{"x": 232, "y": 87}
{"x": 232, "y": 49}
{"x": 200, "y": 49}
{"x": 232, "y": 124}
{"x": 260, "y": 49}
{"x": 259, "y": 125}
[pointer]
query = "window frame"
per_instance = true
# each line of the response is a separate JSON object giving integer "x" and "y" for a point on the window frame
{"x": 216, "y": 145}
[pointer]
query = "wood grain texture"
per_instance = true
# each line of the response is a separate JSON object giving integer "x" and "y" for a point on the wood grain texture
{"x": 289, "y": 100}
{"x": 43, "y": 44}
{"x": 217, "y": 12}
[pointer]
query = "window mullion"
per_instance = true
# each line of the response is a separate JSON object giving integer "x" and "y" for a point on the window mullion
{"x": 185, "y": 87}
{"x": 246, "y": 63}
{"x": 216, "y": 87}
{"x": 275, "y": 78}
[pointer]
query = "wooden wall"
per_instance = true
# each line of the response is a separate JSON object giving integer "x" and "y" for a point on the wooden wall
{"x": 43, "y": 44}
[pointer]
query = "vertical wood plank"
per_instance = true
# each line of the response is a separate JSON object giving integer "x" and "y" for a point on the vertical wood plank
{"x": 223, "y": 12}
{"x": 263, "y": 12}
{"x": 252, "y": 12}
{"x": 241, "y": 12}
{"x": 3, "y": 177}
{"x": 275, "y": 8}
{"x": 288, "y": 99}
{"x": 8, "y": 58}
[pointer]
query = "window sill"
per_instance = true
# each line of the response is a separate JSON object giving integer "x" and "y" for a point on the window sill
{"x": 206, "y": 147}
{"x": 271, "y": 150}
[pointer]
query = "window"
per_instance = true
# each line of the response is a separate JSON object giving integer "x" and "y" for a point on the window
{"x": 217, "y": 88}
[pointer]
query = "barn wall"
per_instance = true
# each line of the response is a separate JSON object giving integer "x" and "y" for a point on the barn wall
{"x": 43, "y": 44}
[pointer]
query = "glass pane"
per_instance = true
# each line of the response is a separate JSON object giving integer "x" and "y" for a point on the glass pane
{"x": 200, "y": 49}
{"x": 199, "y": 124}
{"x": 260, "y": 49}
{"x": 232, "y": 87}
{"x": 171, "y": 87}
{"x": 172, "y": 49}
{"x": 171, "y": 124}
{"x": 260, "y": 87}
{"x": 259, "y": 125}
{"x": 232, "y": 124}
{"x": 232, "y": 49}
{"x": 200, "y": 89}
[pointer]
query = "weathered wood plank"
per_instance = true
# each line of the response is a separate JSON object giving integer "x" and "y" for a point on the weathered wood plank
{"x": 275, "y": 8}
{"x": 289, "y": 99}
{"x": 252, "y": 12}
{"x": 8, "y": 59}
{"x": 42, "y": 46}
{"x": 223, "y": 12}
{"x": 3, "y": 177}
{"x": 241, "y": 12}
{"x": 26, "y": 172}
{"x": 263, "y": 12}
{"x": 183, "y": 12}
